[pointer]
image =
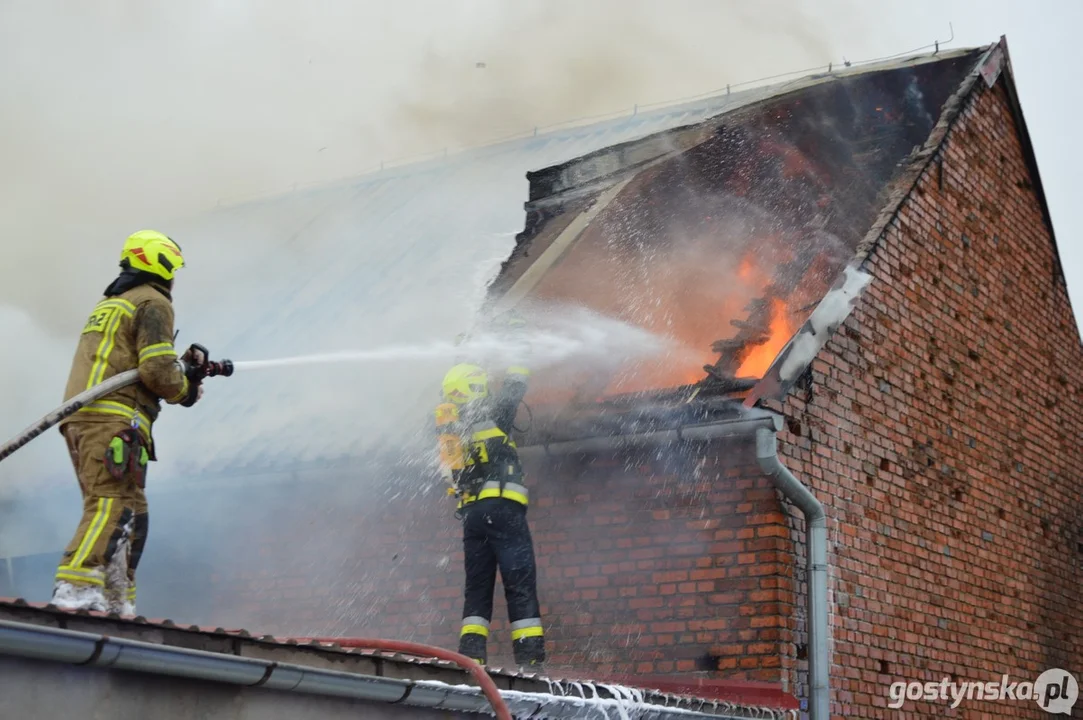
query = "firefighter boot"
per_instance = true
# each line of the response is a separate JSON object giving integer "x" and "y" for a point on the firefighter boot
{"x": 69, "y": 596}
{"x": 473, "y": 646}
{"x": 529, "y": 653}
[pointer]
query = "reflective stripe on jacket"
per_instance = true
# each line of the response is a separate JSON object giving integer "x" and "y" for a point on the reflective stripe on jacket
{"x": 124, "y": 332}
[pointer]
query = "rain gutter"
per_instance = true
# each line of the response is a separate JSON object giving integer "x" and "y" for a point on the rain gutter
{"x": 746, "y": 425}
{"x": 92, "y": 650}
{"x": 762, "y": 425}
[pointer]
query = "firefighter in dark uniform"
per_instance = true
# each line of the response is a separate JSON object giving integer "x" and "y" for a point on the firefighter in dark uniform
{"x": 492, "y": 506}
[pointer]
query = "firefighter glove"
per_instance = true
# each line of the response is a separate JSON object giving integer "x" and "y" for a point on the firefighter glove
{"x": 195, "y": 363}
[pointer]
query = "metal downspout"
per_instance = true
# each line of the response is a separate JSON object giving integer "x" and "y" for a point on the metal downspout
{"x": 816, "y": 569}
{"x": 764, "y": 424}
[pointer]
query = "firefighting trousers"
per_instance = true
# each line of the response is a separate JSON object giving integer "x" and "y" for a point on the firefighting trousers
{"x": 496, "y": 536}
{"x": 108, "y": 544}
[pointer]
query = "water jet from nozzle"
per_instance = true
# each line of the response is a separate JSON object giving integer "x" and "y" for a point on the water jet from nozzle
{"x": 582, "y": 337}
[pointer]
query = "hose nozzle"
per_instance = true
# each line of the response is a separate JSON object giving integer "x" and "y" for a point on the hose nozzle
{"x": 218, "y": 367}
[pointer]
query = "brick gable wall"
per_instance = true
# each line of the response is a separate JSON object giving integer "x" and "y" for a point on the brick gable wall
{"x": 656, "y": 562}
{"x": 942, "y": 431}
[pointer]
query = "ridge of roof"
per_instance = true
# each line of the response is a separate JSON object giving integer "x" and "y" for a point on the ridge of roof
{"x": 750, "y": 98}
{"x": 727, "y": 100}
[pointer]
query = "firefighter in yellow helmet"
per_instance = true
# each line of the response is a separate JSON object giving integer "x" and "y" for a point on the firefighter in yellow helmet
{"x": 110, "y": 440}
{"x": 492, "y": 506}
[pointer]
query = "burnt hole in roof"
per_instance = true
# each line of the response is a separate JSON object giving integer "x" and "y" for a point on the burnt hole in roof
{"x": 806, "y": 183}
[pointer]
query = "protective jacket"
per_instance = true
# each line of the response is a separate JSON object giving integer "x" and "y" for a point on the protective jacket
{"x": 132, "y": 329}
{"x": 491, "y": 465}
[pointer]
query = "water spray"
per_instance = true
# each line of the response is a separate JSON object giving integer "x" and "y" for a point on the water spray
{"x": 583, "y": 335}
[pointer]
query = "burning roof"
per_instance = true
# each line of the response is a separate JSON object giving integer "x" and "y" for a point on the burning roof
{"x": 722, "y": 236}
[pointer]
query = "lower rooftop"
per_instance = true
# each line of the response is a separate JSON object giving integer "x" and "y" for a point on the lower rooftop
{"x": 327, "y": 667}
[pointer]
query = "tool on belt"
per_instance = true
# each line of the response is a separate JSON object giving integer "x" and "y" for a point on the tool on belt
{"x": 128, "y": 454}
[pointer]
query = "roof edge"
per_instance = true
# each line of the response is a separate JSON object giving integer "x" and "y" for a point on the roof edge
{"x": 112, "y": 650}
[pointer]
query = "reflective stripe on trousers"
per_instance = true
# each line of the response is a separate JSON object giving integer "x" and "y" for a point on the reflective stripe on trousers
{"x": 530, "y": 627}
{"x": 491, "y": 489}
{"x": 475, "y": 625}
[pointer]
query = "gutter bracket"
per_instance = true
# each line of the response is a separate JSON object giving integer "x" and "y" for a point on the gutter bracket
{"x": 409, "y": 689}
{"x": 266, "y": 674}
{"x": 99, "y": 645}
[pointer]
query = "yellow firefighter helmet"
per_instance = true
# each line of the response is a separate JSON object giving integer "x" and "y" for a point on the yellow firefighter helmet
{"x": 464, "y": 383}
{"x": 153, "y": 252}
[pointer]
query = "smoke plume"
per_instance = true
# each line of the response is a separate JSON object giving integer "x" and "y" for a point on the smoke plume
{"x": 123, "y": 115}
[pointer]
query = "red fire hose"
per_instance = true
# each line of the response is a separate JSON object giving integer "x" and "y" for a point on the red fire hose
{"x": 428, "y": 651}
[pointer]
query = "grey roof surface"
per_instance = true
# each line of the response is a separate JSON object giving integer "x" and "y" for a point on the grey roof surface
{"x": 398, "y": 256}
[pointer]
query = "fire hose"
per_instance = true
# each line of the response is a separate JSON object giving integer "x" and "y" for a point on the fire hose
{"x": 492, "y": 693}
{"x": 209, "y": 368}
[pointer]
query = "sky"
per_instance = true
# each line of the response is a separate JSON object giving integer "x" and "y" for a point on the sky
{"x": 123, "y": 114}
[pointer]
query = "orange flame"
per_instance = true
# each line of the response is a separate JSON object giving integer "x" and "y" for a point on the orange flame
{"x": 746, "y": 269}
{"x": 756, "y": 364}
